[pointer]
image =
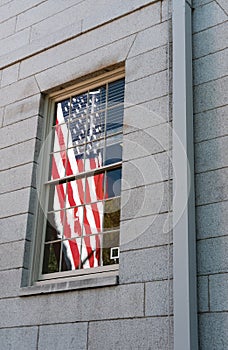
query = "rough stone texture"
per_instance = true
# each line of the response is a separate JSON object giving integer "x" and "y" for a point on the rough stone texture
{"x": 19, "y": 338}
{"x": 210, "y": 40}
{"x": 212, "y": 220}
{"x": 213, "y": 185}
{"x": 149, "y": 231}
{"x": 212, "y": 255}
{"x": 158, "y": 300}
{"x": 213, "y": 331}
{"x": 105, "y": 303}
{"x": 218, "y": 286}
{"x": 148, "y": 333}
{"x": 10, "y": 75}
{"x": 211, "y": 67}
{"x": 203, "y": 293}
{"x": 7, "y": 27}
{"x": 14, "y": 228}
{"x": 133, "y": 265}
{"x": 211, "y": 124}
{"x": 208, "y": 16}
{"x": 68, "y": 336}
{"x": 10, "y": 282}
{"x": 11, "y": 255}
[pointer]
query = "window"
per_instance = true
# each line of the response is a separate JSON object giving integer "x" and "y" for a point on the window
{"x": 79, "y": 215}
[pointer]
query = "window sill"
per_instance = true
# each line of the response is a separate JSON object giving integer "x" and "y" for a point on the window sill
{"x": 73, "y": 283}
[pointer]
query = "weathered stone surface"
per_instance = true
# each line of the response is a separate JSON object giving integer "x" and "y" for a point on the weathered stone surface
{"x": 19, "y": 338}
{"x": 203, "y": 292}
{"x": 158, "y": 298}
{"x": 208, "y": 16}
{"x": 218, "y": 287}
{"x": 134, "y": 265}
{"x": 149, "y": 333}
{"x": 68, "y": 336}
{"x": 211, "y": 220}
{"x": 213, "y": 331}
{"x": 212, "y": 255}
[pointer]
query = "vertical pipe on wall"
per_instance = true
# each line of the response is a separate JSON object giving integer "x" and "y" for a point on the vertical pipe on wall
{"x": 184, "y": 240}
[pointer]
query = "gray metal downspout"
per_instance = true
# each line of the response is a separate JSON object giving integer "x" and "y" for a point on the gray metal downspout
{"x": 184, "y": 240}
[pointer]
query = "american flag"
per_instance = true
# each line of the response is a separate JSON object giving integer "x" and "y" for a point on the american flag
{"x": 78, "y": 125}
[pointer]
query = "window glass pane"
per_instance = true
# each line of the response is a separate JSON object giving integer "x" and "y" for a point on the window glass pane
{"x": 97, "y": 99}
{"x": 71, "y": 254}
{"x": 113, "y": 151}
{"x": 73, "y": 222}
{"x": 113, "y": 183}
{"x": 57, "y": 163}
{"x": 111, "y": 214}
{"x": 114, "y": 120}
{"x": 54, "y": 227}
{"x": 94, "y": 155}
{"x": 90, "y": 254}
{"x": 77, "y": 131}
{"x": 75, "y": 160}
{"x": 110, "y": 248}
{"x": 57, "y": 197}
{"x": 79, "y": 105}
{"x": 93, "y": 218}
{"x": 75, "y": 193}
{"x": 51, "y": 257}
{"x": 116, "y": 92}
{"x": 95, "y": 126}
{"x": 95, "y": 188}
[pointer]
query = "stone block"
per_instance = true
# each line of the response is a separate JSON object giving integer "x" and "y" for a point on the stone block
{"x": 14, "y": 7}
{"x": 203, "y": 293}
{"x": 146, "y": 114}
{"x": 147, "y": 333}
{"x": 2, "y": 110}
{"x": 213, "y": 331}
{"x": 149, "y": 231}
{"x": 150, "y": 39}
{"x": 74, "y": 69}
{"x": 42, "y": 11}
{"x": 145, "y": 142}
{"x": 15, "y": 41}
{"x": 212, "y": 255}
{"x": 211, "y": 220}
{"x": 146, "y": 171}
{"x": 10, "y": 75}
{"x": 16, "y": 202}
{"x": 145, "y": 200}
{"x": 211, "y": 124}
{"x": 55, "y": 23}
{"x": 104, "y": 12}
{"x": 19, "y": 132}
{"x": 86, "y": 43}
{"x": 18, "y": 178}
{"x": 10, "y": 283}
{"x": 147, "y": 88}
{"x": 211, "y": 154}
{"x": 19, "y": 338}
{"x": 207, "y": 16}
{"x": 210, "y": 40}
{"x": 23, "y": 109}
{"x": 19, "y": 154}
{"x": 11, "y": 255}
{"x": 144, "y": 265}
{"x": 218, "y": 286}
{"x": 212, "y": 186}
{"x": 18, "y": 91}
{"x": 158, "y": 298}
{"x": 7, "y": 27}
{"x": 197, "y": 3}
{"x": 210, "y": 67}
{"x": 14, "y": 228}
{"x": 152, "y": 62}
{"x": 85, "y": 305}
{"x": 68, "y": 336}
{"x": 224, "y": 5}
{"x": 210, "y": 95}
